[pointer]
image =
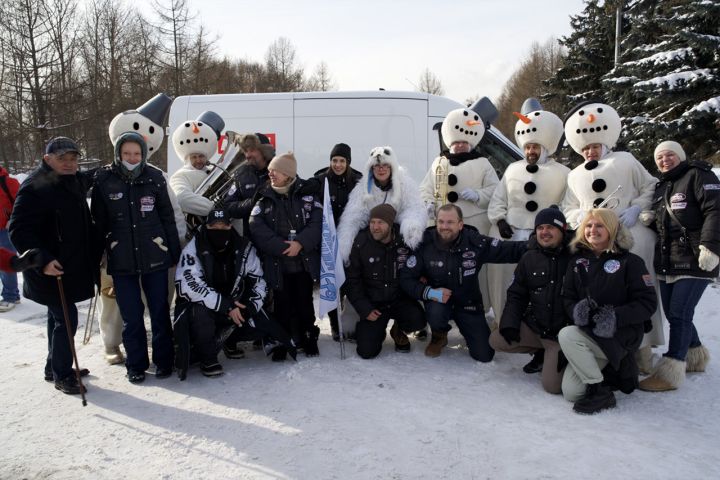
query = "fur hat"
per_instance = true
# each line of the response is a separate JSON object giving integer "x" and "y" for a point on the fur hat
{"x": 551, "y": 216}
{"x": 592, "y": 122}
{"x": 257, "y": 141}
{"x": 539, "y": 126}
{"x": 284, "y": 163}
{"x": 384, "y": 212}
{"x": 462, "y": 125}
{"x": 196, "y": 136}
{"x": 341, "y": 150}
{"x": 674, "y": 147}
{"x": 381, "y": 155}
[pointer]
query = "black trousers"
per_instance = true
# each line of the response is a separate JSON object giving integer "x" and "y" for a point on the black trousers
{"x": 294, "y": 308}
{"x": 369, "y": 335}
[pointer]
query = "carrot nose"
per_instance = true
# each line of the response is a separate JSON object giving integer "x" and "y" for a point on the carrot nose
{"x": 591, "y": 118}
{"x": 195, "y": 128}
{"x": 471, "y": 123}
{"x": 521, "y": 117}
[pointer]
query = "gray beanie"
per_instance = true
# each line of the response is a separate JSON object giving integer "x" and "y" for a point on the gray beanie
{"x": 674, "y": 147}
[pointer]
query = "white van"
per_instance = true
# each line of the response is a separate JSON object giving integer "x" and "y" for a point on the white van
{"x": 311, "y": 123}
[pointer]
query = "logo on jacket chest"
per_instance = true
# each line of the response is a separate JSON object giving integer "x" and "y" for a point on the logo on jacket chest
{"x": 611, "y": 266}
{"x": 147, "y": 203}
{"x": 115, "y": 196}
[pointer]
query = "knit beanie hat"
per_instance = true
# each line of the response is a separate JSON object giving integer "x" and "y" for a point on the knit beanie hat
{"x": 384, "y": 212}
{"x": 284, "y": 163}
{"x": 551, "y": 216}
{"x": 341, "y": 150}
{"x": 674, "y": 147}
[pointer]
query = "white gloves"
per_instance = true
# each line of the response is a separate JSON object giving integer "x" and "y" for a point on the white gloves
{"x": 430, "y": 210}
{"x": 629, "y": 216}
{"x": 707, "y": 260}
{"x": 470, "y": 195}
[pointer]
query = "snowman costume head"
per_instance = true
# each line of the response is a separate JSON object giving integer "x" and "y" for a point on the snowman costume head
{"x": 199, "y": 136}
{"x": 539, "y": 127}
{"x": 592, "y": 122}
{"x": 462, "y": 125}
{"x": 148, "y": 121}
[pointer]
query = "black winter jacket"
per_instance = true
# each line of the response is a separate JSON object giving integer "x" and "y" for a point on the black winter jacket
{"x": 241, "y": 198}
{"x": 693, "y": 192}
{"x": 456, "y": 268}
{"x": 372, "y": 276}
{"x": 617, "y": 279}
{"x": 51, "y": 213}
{"x": 534, "y": 297}
{"x": 340, "y": 188}
{"x": 271, "y": 220}
{"x": 136, "y": 219}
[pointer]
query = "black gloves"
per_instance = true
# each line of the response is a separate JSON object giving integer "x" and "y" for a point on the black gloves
{"x": 605, "y": 322}
{"x": 30, "y": 259}
{"x": 583, "y": 310}
{"x": 510, "y": 335}
{"x": 504, "y": 228}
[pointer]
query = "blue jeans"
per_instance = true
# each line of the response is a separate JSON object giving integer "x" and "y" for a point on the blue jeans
{"x": 679, "y": 300}
{"x": 132, "y": 310}
{"x": 472, "y": 325}
{"x": 10, "y": 292}
{"x": 59, "y": 358}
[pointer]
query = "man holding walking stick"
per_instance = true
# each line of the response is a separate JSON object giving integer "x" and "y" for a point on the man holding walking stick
{"x": 52, "y": 215}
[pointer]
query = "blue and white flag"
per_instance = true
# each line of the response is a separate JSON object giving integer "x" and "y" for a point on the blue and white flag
{"x": 332, "y": 274}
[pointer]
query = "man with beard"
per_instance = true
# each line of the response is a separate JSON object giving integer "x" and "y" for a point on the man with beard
{"x": 448, "y": 259}
{"x": 528, "y": 186}
{"x": 535, "y": 312}
{"x": 377, "y": 254}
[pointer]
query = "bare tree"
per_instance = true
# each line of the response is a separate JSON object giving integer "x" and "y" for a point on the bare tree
{"x": 175, "y": 24}
{"x": 321, "y": 80}
{"x": 281, "y": 64}
{"x": 429, "y": 83}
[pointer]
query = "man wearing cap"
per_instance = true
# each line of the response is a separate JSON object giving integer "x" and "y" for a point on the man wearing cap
{"x": 534, "y": 312}
{"x": 378, "y": 253}
{"x": 133, "y": 211}
{"x": 527, "y": 186}
{"x": 220, "y": 288}
{"x": 250, "y": 177}
{"x": 286, "y": 226}
{"x": 448, "y": 261}
{"x": 195, "y": 142}
{"x": 51, "y": 214}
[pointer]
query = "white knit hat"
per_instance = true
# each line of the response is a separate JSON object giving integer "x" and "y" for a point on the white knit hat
{"x": 674, "y": 147}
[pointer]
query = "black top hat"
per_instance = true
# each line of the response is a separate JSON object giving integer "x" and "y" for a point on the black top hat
{"x": 213, "y": 120}
{"x": 156, "y": 109}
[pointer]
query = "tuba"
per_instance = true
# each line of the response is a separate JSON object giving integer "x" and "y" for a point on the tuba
{"x": 441, "y": 182}
{"x": 220, "y": 179}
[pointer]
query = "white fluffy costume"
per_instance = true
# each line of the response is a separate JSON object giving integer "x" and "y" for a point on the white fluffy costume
{"x": 403, "y": 195}
{"x": 195, "y": 136}
{"x": 471, "y": 179}
{"x": 592, "y": 182}
{"x": 523, "y": 191}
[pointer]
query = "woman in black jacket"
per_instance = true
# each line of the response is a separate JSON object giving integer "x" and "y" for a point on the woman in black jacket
{"x": 687, "y": 220}
{"x": 341, "y": 180}
{"x": 609, "y": 294}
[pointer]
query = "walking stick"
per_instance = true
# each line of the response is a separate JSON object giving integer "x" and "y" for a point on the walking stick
{"x": 71, "y": 340}
{"x": 90, "y": 318}
{"x": 340, "y": 329}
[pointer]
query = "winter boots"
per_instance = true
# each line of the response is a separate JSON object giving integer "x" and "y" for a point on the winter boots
{"x": 697, "y": 359}
{"x": 114, "y": 356}
{"x": 70, "y": 386}
{"x": 643, "y": 357}
{"x": 597, "y": 398}
{"x": 402, "y": 344}
{"x": 437, "y": 342}
{"x": 233, "y": 351}
{"x": 536, "y": 364}
{"x": 667, "y": 375}
{"x": 310, "y": 342}
{"x": 213, "y": 369}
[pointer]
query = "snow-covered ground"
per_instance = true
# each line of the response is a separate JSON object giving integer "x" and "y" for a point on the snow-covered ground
{"x": 398, "y": 416}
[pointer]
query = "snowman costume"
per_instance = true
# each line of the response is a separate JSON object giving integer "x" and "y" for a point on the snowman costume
{"x": 471, "y": 178}
{"x": 593, "y": 182}
{"x": 403, "y": 195}
{"x": 195, "y": 136}
{"x": 149, "y": 121}
{"x": 524, "y": 190}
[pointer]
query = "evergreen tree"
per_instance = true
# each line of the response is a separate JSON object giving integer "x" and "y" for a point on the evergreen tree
{"x": 667, "y": 84}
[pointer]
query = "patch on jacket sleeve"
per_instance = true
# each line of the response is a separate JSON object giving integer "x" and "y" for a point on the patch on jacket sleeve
{"x": 648, "y": 280}
{"x": 255, "y": 211}
{"x": 712, "y": 186}
{"x": 411, "y": 262}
